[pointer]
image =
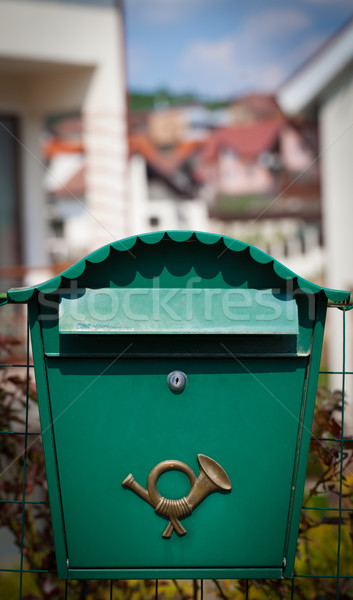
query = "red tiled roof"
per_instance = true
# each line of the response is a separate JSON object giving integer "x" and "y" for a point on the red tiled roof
{"x": 165, "y": 161}
{"x": 248, "y": 140}
{"x": 56, "y": 146}
{"x": 262, "y": 105}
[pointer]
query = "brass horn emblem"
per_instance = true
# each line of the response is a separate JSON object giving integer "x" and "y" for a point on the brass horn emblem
{"x": 212, "y": 478}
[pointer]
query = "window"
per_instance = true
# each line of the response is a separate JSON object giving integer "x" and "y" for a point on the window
{"x": 10, "y": 249}
{"x": 154, "y": 221}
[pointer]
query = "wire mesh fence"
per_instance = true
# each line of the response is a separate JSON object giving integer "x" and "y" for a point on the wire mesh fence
{"x": 324, "y": 562}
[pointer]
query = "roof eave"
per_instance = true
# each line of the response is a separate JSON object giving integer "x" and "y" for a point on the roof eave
{"x": 306, "y": 86}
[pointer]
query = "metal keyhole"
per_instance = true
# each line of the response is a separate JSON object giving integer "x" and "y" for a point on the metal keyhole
{"x": 176, "y": 381}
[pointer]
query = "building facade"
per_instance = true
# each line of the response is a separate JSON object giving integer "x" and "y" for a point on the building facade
{"x": 58, "y": 58}
{"x": 324, "y": 86}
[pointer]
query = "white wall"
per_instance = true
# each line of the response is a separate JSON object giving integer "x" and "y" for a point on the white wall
{"x": 57, "y": 57}
{"x": 336, "y": 134}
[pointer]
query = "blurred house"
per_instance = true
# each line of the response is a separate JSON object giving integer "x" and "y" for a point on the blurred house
{"x": 164, "y": 191}
{"x": 263, "y": 159}
{"x": 59, "y": 57}
{"x": 176, "y": 162}
{"x": 256, "y": 180}
{"x": 167, "y": 126}
{"x": 253, "y": 107}
{"x": 263, "y": 174}
{"x": 324, "y": 87}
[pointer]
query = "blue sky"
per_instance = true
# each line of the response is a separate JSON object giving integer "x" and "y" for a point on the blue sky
{"x": 221, "y": 48}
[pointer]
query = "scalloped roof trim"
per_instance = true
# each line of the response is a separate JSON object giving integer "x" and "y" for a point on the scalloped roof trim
{"x": 127, "y": 245}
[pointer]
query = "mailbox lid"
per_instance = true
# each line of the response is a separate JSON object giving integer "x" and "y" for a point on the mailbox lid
{"x": 178, "y": 311}
{"x": 218, "y": 252}
{"x": 111, "y": 418}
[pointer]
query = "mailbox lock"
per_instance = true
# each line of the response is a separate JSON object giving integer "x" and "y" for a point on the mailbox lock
{"x": 176, "y": 381}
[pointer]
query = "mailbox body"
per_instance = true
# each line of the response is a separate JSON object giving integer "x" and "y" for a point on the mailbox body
{"x": 106, "y": 409}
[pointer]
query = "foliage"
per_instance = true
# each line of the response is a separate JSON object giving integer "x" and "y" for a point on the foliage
{"x": 248, "y": 203}
{"x": 144, "y": 101}
{"x": 318, "y": 537}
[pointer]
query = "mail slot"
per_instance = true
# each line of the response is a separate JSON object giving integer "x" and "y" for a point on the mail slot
{"x": 176, "y": 376}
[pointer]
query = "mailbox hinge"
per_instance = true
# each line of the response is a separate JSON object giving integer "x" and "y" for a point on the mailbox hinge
{"x": 67, "y": 563}
{"x": 284, "y": 562}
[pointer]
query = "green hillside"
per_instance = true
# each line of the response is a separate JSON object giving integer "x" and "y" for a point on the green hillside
{"x": 141, "y": 101}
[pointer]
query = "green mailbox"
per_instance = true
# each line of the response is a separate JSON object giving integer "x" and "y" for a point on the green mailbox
{"x": 176, "y": 376}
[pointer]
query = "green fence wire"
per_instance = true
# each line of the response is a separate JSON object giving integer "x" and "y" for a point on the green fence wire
{"x": 311, "y": 579}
